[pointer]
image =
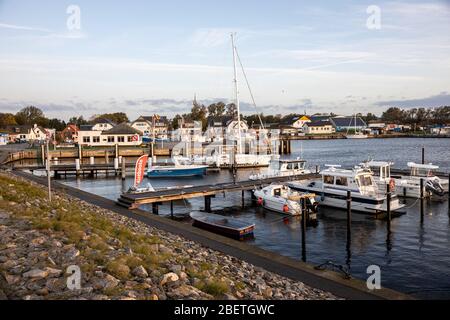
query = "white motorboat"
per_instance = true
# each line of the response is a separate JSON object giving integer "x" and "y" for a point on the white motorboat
{"x": 283, "y": 168}
{"x": 334, "y": 183}
{"x": 409, "y": 186}
{"x": 282, "y": 199}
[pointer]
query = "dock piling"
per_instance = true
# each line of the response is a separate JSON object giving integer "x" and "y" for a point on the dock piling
{"x": 123, "y": 171}
{"x": 303, "y": 206}
{"x": 421, "y": 200}
{"x": 243, "y": 199}
{"x": 349, "y": 214}
{"x": 171, "y": 209}
{"x": 388, "y": 206}
{"x": 423, "y": 155}
{"x": 208, "y": 204}
{"x": 155, "y": 208}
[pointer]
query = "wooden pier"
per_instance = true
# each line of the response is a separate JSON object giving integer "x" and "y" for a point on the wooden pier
{"x": 133, "y": 200}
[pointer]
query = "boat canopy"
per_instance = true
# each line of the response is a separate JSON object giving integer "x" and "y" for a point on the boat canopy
{"x": 428, "y": 166}
{"x": 377, "y": 164}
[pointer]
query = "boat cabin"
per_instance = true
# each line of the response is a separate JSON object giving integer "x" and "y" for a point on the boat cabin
{"x": 422, "y": 170}
{"x": 382, "y": 169}
{"x": 288, "y": 165}
{"x": 356, "y": 180}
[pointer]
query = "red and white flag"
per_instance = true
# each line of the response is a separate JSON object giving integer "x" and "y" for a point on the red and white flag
{"x": 139, "y": 170}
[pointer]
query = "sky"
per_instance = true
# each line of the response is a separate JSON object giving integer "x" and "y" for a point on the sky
{"x": 146, "y": 57}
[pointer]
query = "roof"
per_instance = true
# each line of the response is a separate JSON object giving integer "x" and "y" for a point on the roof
{"x": 86, "y": 127}
{"x": 348, "y": 122}
{"x": 319, "y": 118}
{"x": 71, "y": 126}
{"x": 319, "y": 123}
{"x": 17, "y": 129}
{"x": 122, "y": 128}
{"x": 103, "y": 120}
{"x": 223, "y": 120}
{"x": 289, "y": 120}
{"x": 429, "y": 166}
{"x": 162, "y": 119}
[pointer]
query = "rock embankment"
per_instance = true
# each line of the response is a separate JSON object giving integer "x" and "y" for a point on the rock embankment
{"x": 118, "y": 258}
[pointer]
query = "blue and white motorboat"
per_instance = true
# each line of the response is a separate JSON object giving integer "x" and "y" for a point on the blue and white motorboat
{"x": 176, "y": 170}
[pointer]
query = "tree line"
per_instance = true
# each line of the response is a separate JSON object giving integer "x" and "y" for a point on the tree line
{"x": 414, "y": 116}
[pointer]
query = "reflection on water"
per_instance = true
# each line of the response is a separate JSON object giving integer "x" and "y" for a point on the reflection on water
{"x": 413, "y": 256}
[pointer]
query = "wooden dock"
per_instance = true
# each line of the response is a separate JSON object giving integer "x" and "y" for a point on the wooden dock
{"x": 133, "y": 200}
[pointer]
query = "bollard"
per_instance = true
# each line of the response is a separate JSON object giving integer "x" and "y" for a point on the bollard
{"x": 302, "y": 205}
{"x": 208, "y": 204}
{"x": 116, "y": 163}
{"x": 91, "y": 161}
{"x": 349, "y": 214}
{"x": 243, "y": 199}
{"x": 388, "y": 205}
{"x": 106, "y": 157}
{"x": 421, "y": 200}
{"x": 317, "y": 168}
{"x": 171, "y": 209}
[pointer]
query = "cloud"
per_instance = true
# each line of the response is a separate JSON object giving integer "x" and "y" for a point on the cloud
{"x": 26, "y": 28}
{"x": 442, "y": 99}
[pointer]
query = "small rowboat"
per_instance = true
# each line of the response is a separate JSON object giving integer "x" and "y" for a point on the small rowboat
{"x": 225, "y": 226}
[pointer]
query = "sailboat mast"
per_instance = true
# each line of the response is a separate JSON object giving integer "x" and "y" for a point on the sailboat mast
{"x": 236, "y": 91}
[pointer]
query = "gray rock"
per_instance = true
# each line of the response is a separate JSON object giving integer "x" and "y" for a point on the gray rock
{"x": 36, "y": 274}
{"x": 140, "y": 272}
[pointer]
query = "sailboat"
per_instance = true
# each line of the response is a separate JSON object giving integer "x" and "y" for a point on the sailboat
{"x": 240, "y": 158}
{"x": 357, "y": 134}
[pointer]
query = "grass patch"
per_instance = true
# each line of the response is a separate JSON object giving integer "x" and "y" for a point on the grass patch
{"x": 215, "y": 288}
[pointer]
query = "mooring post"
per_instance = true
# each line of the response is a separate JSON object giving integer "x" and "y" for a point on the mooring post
{"x": 317, "y": 168}
{"x": 208, "y": 204}
{"x": 243, "y": 199}
{"x": 106, "y": 157}
{"x": 303, "y": 206}
{"x": 388, "y": 206}
{"x": 349, "y": 214}
{"x": 421, "y": 200}
{"x": 171, "y": 209}
{"x": 123, "y": 171}
{"x": 423, "y": 155}
{"x": 155, "y": 209}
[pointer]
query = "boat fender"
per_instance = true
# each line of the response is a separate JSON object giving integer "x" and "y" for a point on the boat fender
{"x": 285, "y": 208}
{"x": 392, "y": 184}
{"x": 260, "y": 201}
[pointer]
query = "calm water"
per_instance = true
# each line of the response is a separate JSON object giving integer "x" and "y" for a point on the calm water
{"x": 414, "y": 259}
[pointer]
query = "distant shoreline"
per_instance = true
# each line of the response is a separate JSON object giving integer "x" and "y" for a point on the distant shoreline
{"x": 381, "y": 136}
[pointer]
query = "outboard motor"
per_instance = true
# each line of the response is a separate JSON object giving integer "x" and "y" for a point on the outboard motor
{"x": 435, "y": 187}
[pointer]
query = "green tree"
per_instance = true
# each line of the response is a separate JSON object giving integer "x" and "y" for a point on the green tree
{"x": 216, "y": 109}
{"x": 7, "y": 119}
{"x": 79, "y": 121}
{"x": 231, "y": 110}
{"x": 175, "y": 122}
{"x": 117, "y": 117}
{"x": 30, "y": 115}
{"x": 57, "y": 124}
{"x": 393, "y": 114}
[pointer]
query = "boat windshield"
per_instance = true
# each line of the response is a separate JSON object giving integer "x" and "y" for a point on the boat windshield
{"x": 295, "y": 165}
{"x": 422, "y": 172}
{"x": 364, "y": 181}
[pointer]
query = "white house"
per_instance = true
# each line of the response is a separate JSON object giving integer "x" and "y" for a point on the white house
{"x": 122, "y": 135}
{"x": 144, "y": 124}
{"x": 102, "y": 124}
{"x": 319, "y": 127}
{"x": 188, "y": 131}
{"x": 224, "y": 126}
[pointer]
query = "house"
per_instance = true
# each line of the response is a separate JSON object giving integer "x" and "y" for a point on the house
{"x": 220, "y": 127}
{"x": 4, "y": 139}
{"x": 188, "y": 130}
{"x": 440, "y": 130}
{"x": 102, "y": 124}
{"x": 122, "y": 135}
{"x": 29, "y": 133}
{"x": 342, "y": 123}
{"x": 144, "y": 124}
{"x": 319, "y": 127}
{"x": 70, "y": 133}
{"x": 295, "y": 121}
{"x": 376, "y": 127}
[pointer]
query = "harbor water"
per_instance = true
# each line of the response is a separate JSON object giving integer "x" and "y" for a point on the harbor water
{"x": 414, "y": 258}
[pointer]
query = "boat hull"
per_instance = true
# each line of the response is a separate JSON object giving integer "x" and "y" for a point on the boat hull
{"x": 224, "y": 226}
{"x": 176, "y": 172}
{"x": 338, "y": 199}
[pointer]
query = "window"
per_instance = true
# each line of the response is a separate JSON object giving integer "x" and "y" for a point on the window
{"x": 341, "y": 181}
{"x": 121, "y": 139}
{"x": 130, "y": 139}
{"x": 86, "y": 139}
{"x": 111, "y": 139}
{"x": 96, "y": 139}
{"x": 328, "y": 179}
